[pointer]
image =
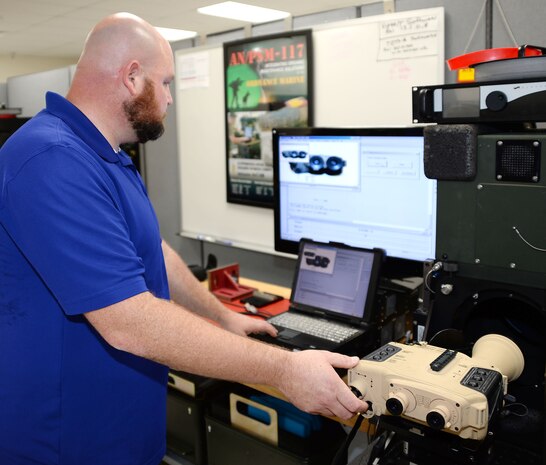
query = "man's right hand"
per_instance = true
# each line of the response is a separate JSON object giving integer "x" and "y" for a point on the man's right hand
{"x": 310, "y": 382}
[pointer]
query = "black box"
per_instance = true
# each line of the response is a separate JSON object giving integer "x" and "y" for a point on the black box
{"x": 187, "y": 397}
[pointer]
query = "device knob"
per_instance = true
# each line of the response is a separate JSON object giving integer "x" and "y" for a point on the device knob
{"x": 356, "y": 392}
{"x": 438, "y": 418}
{"x": 358, "y": 384}
{"x": 496, "y": 100}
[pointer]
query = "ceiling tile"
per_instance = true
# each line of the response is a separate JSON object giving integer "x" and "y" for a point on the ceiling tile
{"x": 58, "y": 28}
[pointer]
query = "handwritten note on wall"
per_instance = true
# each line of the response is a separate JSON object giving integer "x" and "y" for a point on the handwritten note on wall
{"x": 193, "y": 70}
{"x": 408, "y": 37}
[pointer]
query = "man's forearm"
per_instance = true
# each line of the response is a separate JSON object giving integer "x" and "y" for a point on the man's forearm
{"x": 186, "y": 290}
{"x": 166, "y": 333}
{"x": 162, "y": 331}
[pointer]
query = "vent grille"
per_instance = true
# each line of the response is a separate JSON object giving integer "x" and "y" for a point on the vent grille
{"x": 518, "y": 160}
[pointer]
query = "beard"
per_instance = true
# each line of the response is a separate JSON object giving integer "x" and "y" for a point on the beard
{"x": 142, "y": 113}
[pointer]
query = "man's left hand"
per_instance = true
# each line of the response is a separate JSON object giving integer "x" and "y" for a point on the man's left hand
{"x": 243, "y": 325}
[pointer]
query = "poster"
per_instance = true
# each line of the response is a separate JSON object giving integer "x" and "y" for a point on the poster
{"x": 267, "y": 85}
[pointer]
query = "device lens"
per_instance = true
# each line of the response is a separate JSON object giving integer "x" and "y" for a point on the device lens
{"x": 394, "y": 406}
{"x": 435, "y": 420}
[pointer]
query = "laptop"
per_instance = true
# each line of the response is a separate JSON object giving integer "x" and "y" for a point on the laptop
{"x": 332, "y": 299}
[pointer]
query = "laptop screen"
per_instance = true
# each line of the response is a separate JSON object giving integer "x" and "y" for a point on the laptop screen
{"x": 336, "y": 279}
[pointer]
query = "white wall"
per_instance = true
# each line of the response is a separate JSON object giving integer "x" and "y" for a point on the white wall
{"x": 3, "y": 94}
{"x": 15, "y": 65}
{"x": 28, "y": 91}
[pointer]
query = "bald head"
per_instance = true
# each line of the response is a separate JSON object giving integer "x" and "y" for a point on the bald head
{"x": 118, "y": 39}
{"x": 125, "y": 64}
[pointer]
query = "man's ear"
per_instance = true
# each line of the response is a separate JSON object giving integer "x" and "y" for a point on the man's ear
{"x": 132, "y": 76}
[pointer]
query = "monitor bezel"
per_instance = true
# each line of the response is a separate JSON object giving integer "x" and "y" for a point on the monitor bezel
{"x": 393, "y": 266}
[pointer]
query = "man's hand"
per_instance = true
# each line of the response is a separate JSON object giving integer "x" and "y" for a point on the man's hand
{"x": 243, "y": 325}
{"x": 310, "y": 382}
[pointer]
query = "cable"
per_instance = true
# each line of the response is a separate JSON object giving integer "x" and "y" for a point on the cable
{"x": 475, "y": 28}
{"x": 339, "y": 458}
{"x": 372, "y": 436}
{"x": 505, "y": 21}
{"x": 515, "y": 228}
{"x": 437, "y": 266}
{"x": 512, "y": 409}
{"x": 376, "y": 443}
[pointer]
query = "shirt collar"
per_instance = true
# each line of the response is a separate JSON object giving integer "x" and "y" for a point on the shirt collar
{"x": 83, "y": 128}
{"x": 123, "y": 158}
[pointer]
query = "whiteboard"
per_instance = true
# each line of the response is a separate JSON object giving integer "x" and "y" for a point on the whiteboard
{"x": 364, "y": 70}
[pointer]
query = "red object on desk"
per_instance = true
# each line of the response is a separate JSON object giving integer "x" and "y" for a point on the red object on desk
{"x": 267, "y": 310}
{"x": 224, "y": 283}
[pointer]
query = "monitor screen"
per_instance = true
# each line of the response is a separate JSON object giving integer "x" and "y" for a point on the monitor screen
{"x": 337, "y": 279}
{"x": 363, "y": 187}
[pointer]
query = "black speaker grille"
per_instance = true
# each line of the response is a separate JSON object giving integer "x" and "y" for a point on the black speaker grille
{"x": 518, "y": 160}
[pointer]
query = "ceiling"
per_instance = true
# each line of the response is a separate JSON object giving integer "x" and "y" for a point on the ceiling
{"x": 57, "y": 28}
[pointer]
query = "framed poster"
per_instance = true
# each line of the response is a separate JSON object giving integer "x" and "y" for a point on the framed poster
{"x": 268, "y": 84}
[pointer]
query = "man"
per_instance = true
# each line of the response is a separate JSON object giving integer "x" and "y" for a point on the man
{"x": 93, "y": 304}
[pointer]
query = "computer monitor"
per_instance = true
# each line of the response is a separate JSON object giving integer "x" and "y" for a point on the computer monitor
{"x": 363, "y": 187}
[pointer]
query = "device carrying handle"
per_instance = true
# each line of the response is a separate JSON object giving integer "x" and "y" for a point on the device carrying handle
{"x": 266, "y": 432}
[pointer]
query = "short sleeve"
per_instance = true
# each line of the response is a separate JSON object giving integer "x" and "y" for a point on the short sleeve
{"x": 62, "y": 212}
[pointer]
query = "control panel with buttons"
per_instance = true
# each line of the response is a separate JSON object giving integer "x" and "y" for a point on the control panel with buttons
{"x": 481, "y": 379}
{"x": 383, "y": 353}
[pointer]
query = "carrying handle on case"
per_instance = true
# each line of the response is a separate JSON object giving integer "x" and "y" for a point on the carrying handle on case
{"x": 266, "y": 432}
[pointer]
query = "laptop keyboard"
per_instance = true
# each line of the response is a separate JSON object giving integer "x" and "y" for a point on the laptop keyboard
{"x": 328, "y": 330}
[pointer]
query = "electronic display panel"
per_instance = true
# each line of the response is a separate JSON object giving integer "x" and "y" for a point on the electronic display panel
{"x": 363, "y": 187}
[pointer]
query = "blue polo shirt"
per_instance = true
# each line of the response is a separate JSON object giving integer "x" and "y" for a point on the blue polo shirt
{"x": 77, "y": 233}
